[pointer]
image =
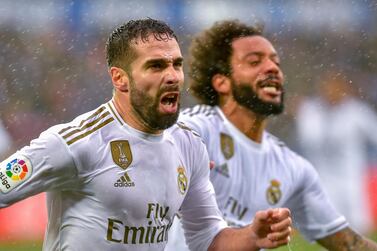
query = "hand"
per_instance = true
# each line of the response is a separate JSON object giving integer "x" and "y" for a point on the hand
{"x": 211, "y": 164}
{"x": 272, "y": 227}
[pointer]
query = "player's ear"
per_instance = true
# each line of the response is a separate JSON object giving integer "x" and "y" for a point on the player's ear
{"x": 119, "y": 78}
{"x": 221, "y": 84}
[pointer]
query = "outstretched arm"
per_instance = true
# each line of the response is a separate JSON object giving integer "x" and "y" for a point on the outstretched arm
{"x": 270, "y": 229}
{"x": 46, "y": 164}
{"x": 347, "y": 240}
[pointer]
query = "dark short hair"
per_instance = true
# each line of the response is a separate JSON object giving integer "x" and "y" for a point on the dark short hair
{"x": 119, "y": 51}
{"x": 210, "y": 54}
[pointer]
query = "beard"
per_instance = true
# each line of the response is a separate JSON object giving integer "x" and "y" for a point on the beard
{"x": 244, "y": 94}
{"x": 147, "y": 108}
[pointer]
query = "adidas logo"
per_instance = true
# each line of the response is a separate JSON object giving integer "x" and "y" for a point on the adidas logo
{"x": 222, "y": 169}
{"x": 124, "y": 181}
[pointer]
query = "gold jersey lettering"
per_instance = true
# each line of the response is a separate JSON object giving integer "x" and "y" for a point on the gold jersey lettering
{"x": 155, "y": 231}
{"x": 111, "y": 227}
{"x": 157, "y": 211}
{"x": 235, "y": 208}
{"x": 134, "y": 231}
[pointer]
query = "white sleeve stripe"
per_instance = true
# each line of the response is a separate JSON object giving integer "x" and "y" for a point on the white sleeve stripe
{"x": 199, "y": 109}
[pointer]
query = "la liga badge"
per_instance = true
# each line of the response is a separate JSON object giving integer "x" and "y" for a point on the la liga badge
{"x": 13, "y": 172}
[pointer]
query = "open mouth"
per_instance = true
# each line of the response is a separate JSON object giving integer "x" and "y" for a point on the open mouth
{"x": 169, "y": 102}
{"x": 272, "y": 88}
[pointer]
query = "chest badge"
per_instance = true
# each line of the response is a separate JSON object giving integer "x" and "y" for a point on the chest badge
{"x": 273, "y": 192}
{"x": 227, "y": 145}
{"x": 182, "y": 180}
{"x": 121, "y": 153}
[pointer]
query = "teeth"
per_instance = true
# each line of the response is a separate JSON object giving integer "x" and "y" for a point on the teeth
{"x": 170, "y": 99}
{"x": 270, "y": 88}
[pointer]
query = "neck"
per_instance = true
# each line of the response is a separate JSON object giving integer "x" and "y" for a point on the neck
{"x": 248, "y": 122}
{"x": 130, "y": 116}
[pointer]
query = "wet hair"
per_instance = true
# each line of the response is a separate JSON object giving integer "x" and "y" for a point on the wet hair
{"x": 210, "y": 54}
{"x": 119, "y": 50}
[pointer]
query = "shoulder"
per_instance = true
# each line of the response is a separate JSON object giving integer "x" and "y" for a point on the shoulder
{"x": 290, "y": 157}
{"x": 199, "y": 111}
{"x": 190, "y": 147}
{"x": 187, "y": 139}
{"x": 275, "y": 141}
{"x": 201, "y": 118}
{"x": 182, "y": 132}
{"x": 360, "y": 108}
{"x": 80, "y": 128}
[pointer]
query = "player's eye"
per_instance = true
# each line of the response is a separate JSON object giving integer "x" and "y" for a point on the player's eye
{"x": 156, "y": 66}
{"x": 178, "y": 64}
{"x": 254, "y": 62}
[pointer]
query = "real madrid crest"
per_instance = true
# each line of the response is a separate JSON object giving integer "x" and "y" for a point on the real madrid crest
{"x": 182, "y": 180}
{"x": 227, "y": 145}
{"x": 121, "y": 153}
{"x": 273, "y": 192}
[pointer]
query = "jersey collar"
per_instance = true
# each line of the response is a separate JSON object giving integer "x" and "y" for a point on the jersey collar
{"x": 240, "y": 135}
{"x": 130, "y": 129}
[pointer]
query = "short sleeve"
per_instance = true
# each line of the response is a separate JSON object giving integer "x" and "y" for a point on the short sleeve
{"x": 44, "y": 165}
{"x": 312, "y": 212}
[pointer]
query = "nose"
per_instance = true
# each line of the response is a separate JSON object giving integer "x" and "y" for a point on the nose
{"x": 272, "y": 67}
{"x": 173, "y": 75}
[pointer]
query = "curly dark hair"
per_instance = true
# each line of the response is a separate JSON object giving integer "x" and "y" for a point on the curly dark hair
{"x": 119, "y": 51}
{"x": 210, "y": 54}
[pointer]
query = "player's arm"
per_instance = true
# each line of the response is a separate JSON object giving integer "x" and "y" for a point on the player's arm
{"x": 347, "y": 239}
{"x": 316, "y": 217}
{"x": 270, "y": 229}
{"x": 43, "y": 165}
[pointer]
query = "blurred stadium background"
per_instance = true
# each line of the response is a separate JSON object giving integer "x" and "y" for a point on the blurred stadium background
{"x": 52, "y": 66}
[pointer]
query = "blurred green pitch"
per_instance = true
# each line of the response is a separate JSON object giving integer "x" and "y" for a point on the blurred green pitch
{"x": 297, "y": 244}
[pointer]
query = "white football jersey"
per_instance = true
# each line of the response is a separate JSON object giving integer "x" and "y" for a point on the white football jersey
{"x": 111, "y": 187}
{"x": 248, "y": 177}
{"x": 335, "y": 139}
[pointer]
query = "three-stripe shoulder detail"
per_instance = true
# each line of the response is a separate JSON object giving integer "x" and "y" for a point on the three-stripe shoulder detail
{"x": 205, "y": 110}
{"x": 92, "y": 123}
{"x": 277, "y": 141}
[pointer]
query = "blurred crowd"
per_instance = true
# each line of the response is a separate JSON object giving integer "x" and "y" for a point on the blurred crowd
{"x": 48, "y": 78}
{"x": 51, "y": 75}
